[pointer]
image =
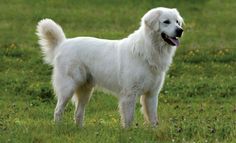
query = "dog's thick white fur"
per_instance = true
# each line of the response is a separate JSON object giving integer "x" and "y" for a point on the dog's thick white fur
{"x": 130, "y": 67}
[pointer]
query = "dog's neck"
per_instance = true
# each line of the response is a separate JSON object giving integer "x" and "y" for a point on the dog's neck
{"x": 154, "y": 50}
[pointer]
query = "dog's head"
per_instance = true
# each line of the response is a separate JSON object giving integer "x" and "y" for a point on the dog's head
{"x": 165, "y": 22}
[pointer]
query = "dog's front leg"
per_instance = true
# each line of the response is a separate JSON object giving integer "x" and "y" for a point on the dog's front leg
{"x": 149, "y": 108}
{"x": 127, "y": 107}
{"x": 149, "y": 102}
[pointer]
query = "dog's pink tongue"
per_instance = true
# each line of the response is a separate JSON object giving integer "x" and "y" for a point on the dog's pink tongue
{"x": 175, "y": 41}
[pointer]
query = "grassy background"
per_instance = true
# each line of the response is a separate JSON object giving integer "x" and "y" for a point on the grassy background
{"x": 197, "y": 103}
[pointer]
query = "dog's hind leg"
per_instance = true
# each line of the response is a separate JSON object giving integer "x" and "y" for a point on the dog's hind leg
{"x": 64, "y": 88}
{"x": 81, "y": 98}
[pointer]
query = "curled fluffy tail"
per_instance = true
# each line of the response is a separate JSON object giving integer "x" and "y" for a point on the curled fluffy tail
{"x": 50, "y": 36}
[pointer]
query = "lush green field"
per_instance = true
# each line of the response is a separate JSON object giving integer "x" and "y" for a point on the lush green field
{"x": 197, "y": 103}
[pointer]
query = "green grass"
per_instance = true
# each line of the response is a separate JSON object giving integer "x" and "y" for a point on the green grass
{"x": 197, "y": 102}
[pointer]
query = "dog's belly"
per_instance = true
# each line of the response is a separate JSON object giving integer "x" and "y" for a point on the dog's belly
{"x": 106, "y": 78}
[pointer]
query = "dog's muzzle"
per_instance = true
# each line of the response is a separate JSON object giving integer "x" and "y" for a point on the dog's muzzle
{"x": 173, "y": 41}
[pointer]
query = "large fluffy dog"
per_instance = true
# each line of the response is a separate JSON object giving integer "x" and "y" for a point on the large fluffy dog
{"x": 132, "y": 67}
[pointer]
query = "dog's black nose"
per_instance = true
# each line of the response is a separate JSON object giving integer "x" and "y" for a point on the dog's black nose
{"x": 179, "y": 32}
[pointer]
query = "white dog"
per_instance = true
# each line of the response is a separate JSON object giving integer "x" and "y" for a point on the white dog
{"x": 131, "y": 67}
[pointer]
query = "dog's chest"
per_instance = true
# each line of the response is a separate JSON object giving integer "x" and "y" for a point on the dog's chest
{"x": 162, "y": 60}
{"x": 144, "y": 78}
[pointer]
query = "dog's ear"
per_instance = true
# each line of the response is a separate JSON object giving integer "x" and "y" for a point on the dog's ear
{"x": 151, "y": 19}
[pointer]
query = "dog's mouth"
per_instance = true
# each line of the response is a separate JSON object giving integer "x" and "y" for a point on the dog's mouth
{"x": 174, "y": 41}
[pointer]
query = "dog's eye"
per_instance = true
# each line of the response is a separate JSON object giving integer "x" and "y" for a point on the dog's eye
{"x": 167, "y": 22}
{"x": 177, "y": 21}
